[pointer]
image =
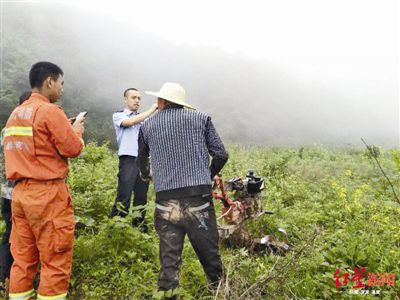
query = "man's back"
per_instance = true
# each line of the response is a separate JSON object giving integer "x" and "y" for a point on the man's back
{"x": 179, "y": 142}
{"x": 176, "y": 138}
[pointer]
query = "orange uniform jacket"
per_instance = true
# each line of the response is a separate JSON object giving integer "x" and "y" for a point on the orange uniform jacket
{"x": 38, "y": 139}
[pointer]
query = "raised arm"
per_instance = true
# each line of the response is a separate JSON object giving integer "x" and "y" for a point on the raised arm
{"x": 67, "y": 139}
{"x": 139, "y": 117}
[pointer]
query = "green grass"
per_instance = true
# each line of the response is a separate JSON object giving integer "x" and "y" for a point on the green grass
{"x": 336, "y": 207}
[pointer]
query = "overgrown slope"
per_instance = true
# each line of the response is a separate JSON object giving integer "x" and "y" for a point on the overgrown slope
{"x": 337, "y": 209}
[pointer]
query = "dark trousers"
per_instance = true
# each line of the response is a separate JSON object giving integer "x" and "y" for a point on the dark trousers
{"x": 129, "y": 181}
{"x": 173, "y": 220}
{"x": 6, "y": 258}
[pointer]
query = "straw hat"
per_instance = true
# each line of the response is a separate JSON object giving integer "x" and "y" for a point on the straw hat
{"x": 172, "y": 92}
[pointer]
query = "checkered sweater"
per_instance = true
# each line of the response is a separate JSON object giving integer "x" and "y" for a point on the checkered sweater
{"x": 178, "y": 150}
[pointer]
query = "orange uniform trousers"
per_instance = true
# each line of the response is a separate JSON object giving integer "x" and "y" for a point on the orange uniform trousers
{"x": 42, "y": 231}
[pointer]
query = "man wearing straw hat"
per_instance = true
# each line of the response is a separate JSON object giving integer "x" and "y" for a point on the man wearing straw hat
{"x": 179, "y": 141}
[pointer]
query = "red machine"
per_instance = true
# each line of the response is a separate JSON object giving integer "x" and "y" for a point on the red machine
{"x": 246, "y": 203}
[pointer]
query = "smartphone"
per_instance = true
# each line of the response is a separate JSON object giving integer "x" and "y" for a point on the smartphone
{"x": 81, "y": 114}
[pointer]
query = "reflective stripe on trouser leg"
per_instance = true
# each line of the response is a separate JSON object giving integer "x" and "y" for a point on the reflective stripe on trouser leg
{"x": 22, "y": 296}
{"x": 57, "y": 297}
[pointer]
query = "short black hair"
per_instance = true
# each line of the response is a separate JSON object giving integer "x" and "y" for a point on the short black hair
{"x": 130, "y": 89}
{"x": 24, "y": 96}
{"x": 41, "y": 70}
{"x": 172, "y": 104}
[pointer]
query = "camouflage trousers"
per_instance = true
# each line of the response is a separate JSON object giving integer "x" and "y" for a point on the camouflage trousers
{"x": 194, "y": 216}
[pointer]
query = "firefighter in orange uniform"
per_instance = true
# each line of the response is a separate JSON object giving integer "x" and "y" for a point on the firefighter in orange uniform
{"x": 38, "y": 140}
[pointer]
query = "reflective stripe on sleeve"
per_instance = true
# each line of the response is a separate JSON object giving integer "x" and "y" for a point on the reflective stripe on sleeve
{"x": 19, "y": 131}
{"x": 22, "y": 296}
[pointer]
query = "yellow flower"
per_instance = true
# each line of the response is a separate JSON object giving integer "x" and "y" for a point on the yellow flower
{"x": 357, "y": 198}
{"x": 348, "y": 173}
{"x": 334, "y": 184}
{"x": 357, "y": 204}
{"x": 343, "y": 193}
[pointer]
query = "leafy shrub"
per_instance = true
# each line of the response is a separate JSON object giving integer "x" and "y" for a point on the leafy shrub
{"x": 335, "y": 206}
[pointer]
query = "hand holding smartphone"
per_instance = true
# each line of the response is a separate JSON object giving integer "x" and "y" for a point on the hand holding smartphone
{"x": 78, "y": 124}
{"x": 80, "y": 116}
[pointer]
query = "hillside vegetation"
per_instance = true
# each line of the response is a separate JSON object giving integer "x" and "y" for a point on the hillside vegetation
{"x": 335, "y": 205}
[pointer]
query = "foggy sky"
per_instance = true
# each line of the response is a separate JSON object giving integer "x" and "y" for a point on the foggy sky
{"x": 250, "y": 100}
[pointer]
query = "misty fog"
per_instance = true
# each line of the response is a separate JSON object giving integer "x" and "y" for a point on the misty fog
{"x": 250, "y": 100}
